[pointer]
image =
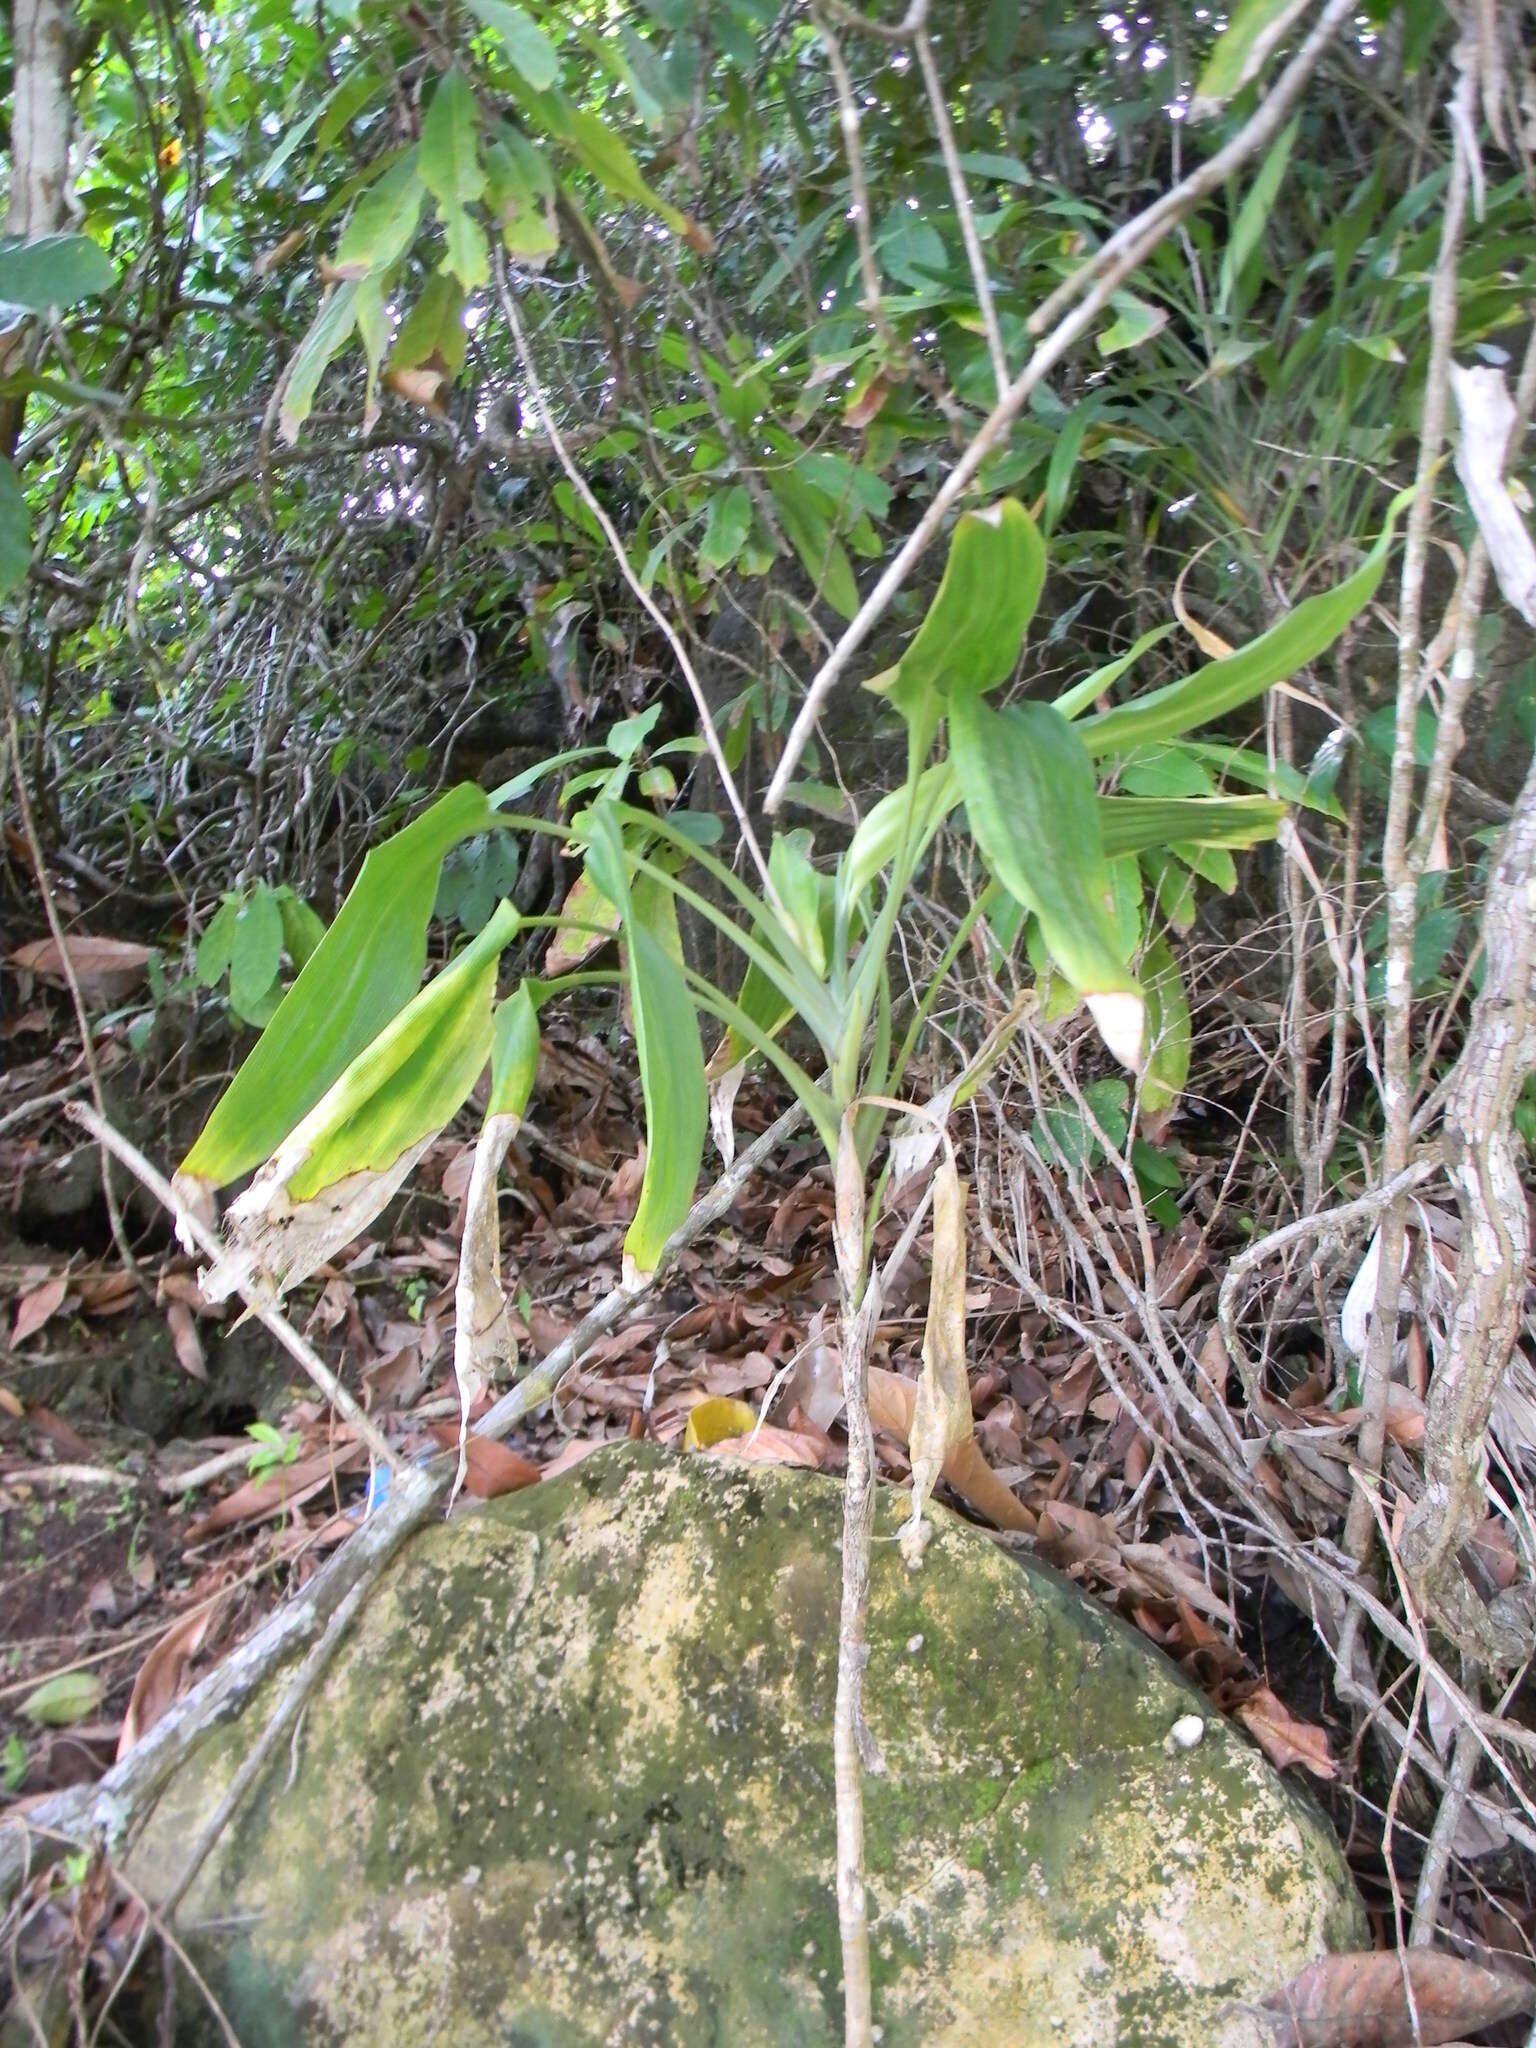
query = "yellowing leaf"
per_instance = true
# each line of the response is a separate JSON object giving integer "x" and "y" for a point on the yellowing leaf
{"x": 585, "y": 905}
{"x": 716, "y": 1420}
{"x": 340, "y": 1165}
{"x": 361, "y": 974}
{"x": 329, "y": 333}
{"x": 482, "y": 1337}
{"x": 1167, "y": 1045}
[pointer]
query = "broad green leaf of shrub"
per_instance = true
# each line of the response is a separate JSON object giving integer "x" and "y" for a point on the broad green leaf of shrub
{"x": 1135, "y": 322}
{"x": 383, "y": 222}
{"x": 520, "y": 206}
{"x": 329, "y": 333}
{"x": 452, "y": 172}
{"x": 525, "y": 42}
{"x": 215, "y": 948}
{"x": 1066, "y": 1138}
{"x": 255, "y": 949}
{"x": 303, "y": 928}
{"x": 822, "y": 554}
{"x": 55, "y": 270}
{"x": 15, "y": 531}
{"x": 726, "y": 530}
{"x": 1221, "y": 686}
{"x": 433, "y": 330}
{"x": 667, "y": 1045}
{"x": 62, "y": 1700}
{"x": 608, "y": 158}
{"x": 365, "y": 970}
{"x": 1033, "y": 809}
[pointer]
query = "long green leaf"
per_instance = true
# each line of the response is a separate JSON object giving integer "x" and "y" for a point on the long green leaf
{"x": 1082, "y": 694}
{"x": 667, "y": 1045}
{"x": 981, "y": 612}
{"x": 1167, "y": 1049}
{"x": 366, "y": 969}
{"x": 1030, "y": 797}
{"x": 1253, "y": 214}
{"x": 1135, "y": 824}
{"x": 1235, "y": 679}
{"x": 525, "y": 42}
{"x": 329, "y": 333}
{"x": 1242, "y": 49}
{"x": 416, "y": 1074}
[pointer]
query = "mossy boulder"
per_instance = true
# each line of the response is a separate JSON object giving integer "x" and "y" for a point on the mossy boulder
{"x": 570, "y": 1783}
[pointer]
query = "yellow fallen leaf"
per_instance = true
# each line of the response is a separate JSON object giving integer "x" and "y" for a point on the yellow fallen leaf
{"x": 716, "y": 1419}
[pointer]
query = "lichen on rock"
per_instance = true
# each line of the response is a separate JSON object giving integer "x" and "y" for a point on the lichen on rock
{"x": 570, "y": 1783}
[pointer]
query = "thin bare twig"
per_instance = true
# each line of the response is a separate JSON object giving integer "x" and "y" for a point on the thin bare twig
{"x": 943, "y": 128}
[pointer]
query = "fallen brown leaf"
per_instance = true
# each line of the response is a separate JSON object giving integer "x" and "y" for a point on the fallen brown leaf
{"x": 159, "y": 1677}
{"x": 1360, "y": 2001}
{"x": 185, "y": 1341}
{"x": 36, "y": 1306}
{"x": 107, "y": 968}
{"x": 578, "y": 1448}
{"x": 891, "y": 1401}
{"x": 1284, "y": 1739}
{"x": 490, "y": 1469}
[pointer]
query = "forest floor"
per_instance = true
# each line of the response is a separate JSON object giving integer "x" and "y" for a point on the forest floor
{"x": 164, "y": 1483}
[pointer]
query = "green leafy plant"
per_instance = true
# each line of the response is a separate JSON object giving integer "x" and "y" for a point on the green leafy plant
{"x": 273, "y": 1449}
{"x": 246, "y": 939}
{"x": 365, "y": 1070}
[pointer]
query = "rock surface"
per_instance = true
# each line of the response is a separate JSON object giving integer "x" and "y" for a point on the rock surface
{"x": 570, "y": 1783}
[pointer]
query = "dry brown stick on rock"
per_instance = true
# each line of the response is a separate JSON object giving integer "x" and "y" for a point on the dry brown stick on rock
{"x": 120, "y": 1801}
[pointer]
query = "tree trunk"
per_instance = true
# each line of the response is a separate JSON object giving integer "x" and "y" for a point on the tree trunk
{"x": 41, "y": 119}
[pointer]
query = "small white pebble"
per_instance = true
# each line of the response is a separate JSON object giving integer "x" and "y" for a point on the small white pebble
{"x": 914, "y": 1644}
{"x": 1185, "y": 1733}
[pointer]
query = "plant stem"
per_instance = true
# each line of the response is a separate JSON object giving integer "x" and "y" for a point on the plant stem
{"x": 851, "y": 1745}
